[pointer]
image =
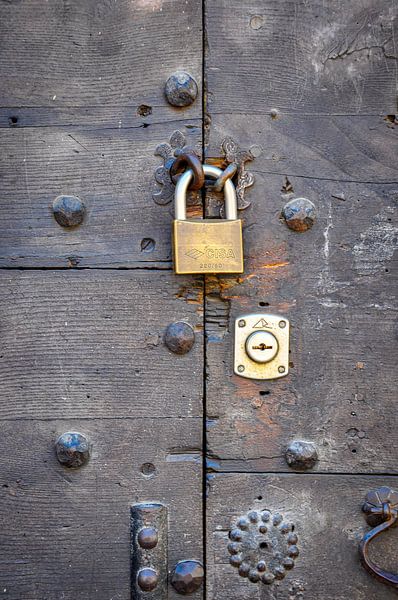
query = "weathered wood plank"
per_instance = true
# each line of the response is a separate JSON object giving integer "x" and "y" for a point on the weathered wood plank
{"x": 329, "y": 523}
{"x": 301, "y": 57}
{"x": 89, "y": 344}
{"x": 65, "y": 533}
{"x": 93, "y": 117}
{"x": 97, "y": 53}
{"x": 336, "y": 283}
{"x": 356, "y": 148}
{"x": 87, "y": 79}
{"x": 111, "y": 170}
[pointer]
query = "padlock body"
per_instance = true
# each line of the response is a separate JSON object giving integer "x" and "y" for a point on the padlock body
{"x": 207, "y": 246}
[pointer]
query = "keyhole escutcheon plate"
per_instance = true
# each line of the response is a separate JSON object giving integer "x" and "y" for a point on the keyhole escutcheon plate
{"x": 261, "y": 346}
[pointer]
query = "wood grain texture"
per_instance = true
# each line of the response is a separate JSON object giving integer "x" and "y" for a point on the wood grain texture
{"x": 301, "y": 57}
{"x": 89, "y": 344}
{"x": 111, "y": 170}
{"x": 357, "y": 148}
{"x": 96, "y": 53}
{"x": 75, "y": 75}
{"x": 336, "y": 283}
{"x": 329, "y": 523}
{"x": 65, "y": 533}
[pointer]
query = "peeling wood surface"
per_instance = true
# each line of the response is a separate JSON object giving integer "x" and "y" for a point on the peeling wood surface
{"x": 329, "y": 523}
{"x": 65, "y": 533}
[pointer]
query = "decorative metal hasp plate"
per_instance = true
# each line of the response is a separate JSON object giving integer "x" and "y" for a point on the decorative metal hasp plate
{"x": 261, "y": 346}
{"x": 148, "y": 551}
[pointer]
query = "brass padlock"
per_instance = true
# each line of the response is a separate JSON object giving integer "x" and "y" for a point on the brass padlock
{"x": 207, "y": 245}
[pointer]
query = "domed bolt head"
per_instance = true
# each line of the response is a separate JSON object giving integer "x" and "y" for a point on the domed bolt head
{"x": 68, "y": 211}
{"x": 147, "y": 579}
{"x": 187, "y": 577}
{"x": 179, "y": 337}
{"x": 148, "y": 538}
{"x": 72, "y": 449}
{"x": 301, "y": 455}
{"x": 299, "y": 214}
{"x": 181, "y": 89}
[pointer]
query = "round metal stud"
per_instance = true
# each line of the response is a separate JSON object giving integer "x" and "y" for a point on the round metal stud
{"x": 301, "y": 455}
{"x": 299, "y": 214}
{"x": 187, "y": 576}
{"x": 179, "y": 337}
{"x": 148, "y": 538}
{"x": 68, "y": 211}
{"x": 181, "y": 89}
{"x": 72, "y": 449}
{"x": 254, "y": 576}
{"x": 268, "y": 578}
{"x": 147, "y": 579}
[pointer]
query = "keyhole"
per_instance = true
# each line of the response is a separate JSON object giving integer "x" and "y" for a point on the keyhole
{"x": 262, "y": 347}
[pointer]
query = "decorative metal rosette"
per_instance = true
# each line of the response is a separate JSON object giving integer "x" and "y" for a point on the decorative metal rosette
{"x": 169, "y": 152}
{"x": 262, "y": 546}
{"x": 244, "y": 179}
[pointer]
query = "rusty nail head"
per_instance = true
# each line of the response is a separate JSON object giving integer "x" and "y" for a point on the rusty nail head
{"x": 179, "y": 337}
{"x": 181, "y": 89}
{"x": 299, "y": 214}
{"x": 187, "y": 576}
{"x": 72, "y": 449}
{"x": 68, "y": 211}
{"x": 301, "y": 455}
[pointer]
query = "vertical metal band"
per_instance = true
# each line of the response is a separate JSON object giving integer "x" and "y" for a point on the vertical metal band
{"x": 148, "y": 525}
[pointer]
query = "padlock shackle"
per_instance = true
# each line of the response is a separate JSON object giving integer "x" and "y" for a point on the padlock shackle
{"x": 180, "y": 196}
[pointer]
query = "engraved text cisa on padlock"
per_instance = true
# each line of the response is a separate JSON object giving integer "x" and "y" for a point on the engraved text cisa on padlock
{"x": 207, "y": 245}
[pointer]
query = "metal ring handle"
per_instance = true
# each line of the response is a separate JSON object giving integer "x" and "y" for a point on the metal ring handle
{"x": 231, "y": 209}
{"x": 381, "y": 507}
{"x": 191, "y": 161}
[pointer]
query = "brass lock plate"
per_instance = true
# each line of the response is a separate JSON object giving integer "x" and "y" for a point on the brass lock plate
{"x": 261, "y": 346}
{"x": 207, "y": 246}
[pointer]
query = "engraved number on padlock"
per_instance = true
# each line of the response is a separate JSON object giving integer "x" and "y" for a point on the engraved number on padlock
{"x": 207, "y": 245}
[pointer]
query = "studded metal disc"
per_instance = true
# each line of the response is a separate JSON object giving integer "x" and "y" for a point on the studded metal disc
{"x": 262, "y": 546}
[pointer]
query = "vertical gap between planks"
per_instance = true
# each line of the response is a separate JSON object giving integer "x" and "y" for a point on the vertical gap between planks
{"x": 204, "y": 407}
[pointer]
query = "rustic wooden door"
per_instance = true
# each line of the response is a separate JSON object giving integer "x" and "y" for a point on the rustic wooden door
{"x": 310, "y": 87}
{"x": 306, "y": 89}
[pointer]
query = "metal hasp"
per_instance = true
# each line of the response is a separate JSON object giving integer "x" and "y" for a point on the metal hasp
{"x": 381, "y": 509}
{"x": 148, "y": 525}
{"x": 207, "y": 245}
{"x": 261, "y": 346}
